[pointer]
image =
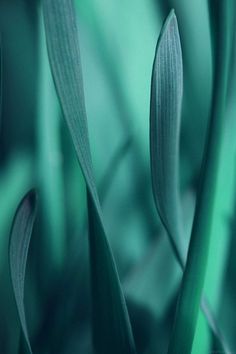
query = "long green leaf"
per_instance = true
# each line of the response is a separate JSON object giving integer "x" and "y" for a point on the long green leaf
{"x": 18, "y": 251}
{"x": 165, "y": 112}
{"x": 195, "y": 270}
{"x": 111, "y": 326}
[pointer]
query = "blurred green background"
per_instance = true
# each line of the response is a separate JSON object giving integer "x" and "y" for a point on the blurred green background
{"x": 117, "y": 42}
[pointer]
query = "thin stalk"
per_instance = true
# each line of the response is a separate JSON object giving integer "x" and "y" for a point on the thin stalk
{"x": 50, "y": 158}
{"x": 194, "y": 274}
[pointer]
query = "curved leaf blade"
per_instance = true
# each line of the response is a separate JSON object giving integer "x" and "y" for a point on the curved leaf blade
{"x": 18, "y": 251}
{"x": 196, "y": 265}
{"x": 107, "y": 296}
{"x": 165, "y": 112}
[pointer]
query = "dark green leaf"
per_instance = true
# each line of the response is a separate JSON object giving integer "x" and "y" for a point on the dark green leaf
{"x": 196, "y": 265}
{"x": 111, "y": 326}
{"x": 1, "y": 78}
{"x": 18, "y": 251}
{"x": 165, "y": 112}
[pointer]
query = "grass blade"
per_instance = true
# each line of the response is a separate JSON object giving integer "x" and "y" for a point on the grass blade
{"x": 109, "y": 309}
{"x": 195, "y": 270}
{"x": 18, "y": 251}
{"x": 165, "y": 111}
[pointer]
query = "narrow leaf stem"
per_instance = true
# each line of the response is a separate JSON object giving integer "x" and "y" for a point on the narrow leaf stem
{"x": 194, "y": 274}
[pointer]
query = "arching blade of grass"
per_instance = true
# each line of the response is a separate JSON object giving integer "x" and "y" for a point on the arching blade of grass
{"x": 111, "y": 326}
{"x": 165, "y": 112}
{"x": 195, "y": 270}
{"x": 18, "y": 251}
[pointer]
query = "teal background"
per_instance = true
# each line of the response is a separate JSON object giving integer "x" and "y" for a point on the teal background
{"x": 117, "y": 41}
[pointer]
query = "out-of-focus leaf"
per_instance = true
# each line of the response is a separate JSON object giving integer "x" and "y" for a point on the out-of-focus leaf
{"x": 195, "y": 270}
{"x": 111, "y": 326}
{"x": 142, "y": 283}
{"x": 165, "y": 113}
{"x": 50, "y": 159}
{"x": 1, "y": 79}
{"x": 115, "y": 161}
{"x": 18, "y": 251}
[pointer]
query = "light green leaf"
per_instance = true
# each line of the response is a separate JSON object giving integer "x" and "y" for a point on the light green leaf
{"x": 165, "y": 114}
{"x": 111, "y": 326}
{"x": 18, "y": 251}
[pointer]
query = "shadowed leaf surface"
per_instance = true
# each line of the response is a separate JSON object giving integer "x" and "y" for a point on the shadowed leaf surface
{"x": 165, "y": 114}
{"x": 111, "y": 326}
{"x": 18, "y": 251}
{"x": 196, "y": 265}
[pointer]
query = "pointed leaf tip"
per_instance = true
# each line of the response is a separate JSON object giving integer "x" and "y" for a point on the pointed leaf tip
{"x": 18, "y": 252}
{"x": 165, "y": 115}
